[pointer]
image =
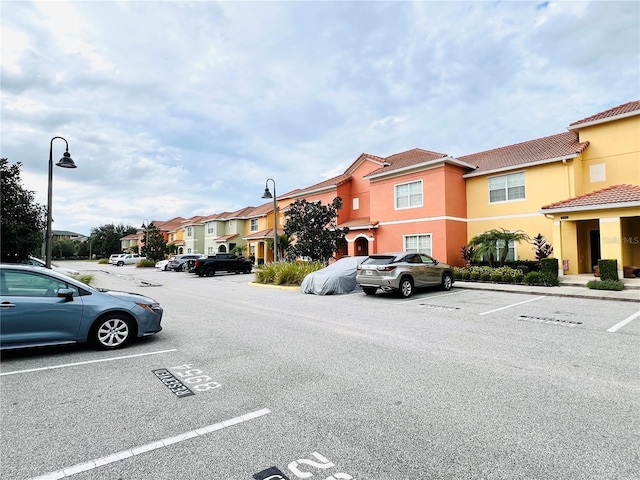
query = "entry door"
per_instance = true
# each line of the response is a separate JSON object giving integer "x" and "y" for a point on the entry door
{"x": 594, "y": 241}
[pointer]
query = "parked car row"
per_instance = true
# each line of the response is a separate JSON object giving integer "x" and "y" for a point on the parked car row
{"x": 178, "y": 263}
{"x": 398, "y": 272}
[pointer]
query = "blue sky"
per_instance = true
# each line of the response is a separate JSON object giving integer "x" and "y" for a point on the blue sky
{"x": 186, "y": 108}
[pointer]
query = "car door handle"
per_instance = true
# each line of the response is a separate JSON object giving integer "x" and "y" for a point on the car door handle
{"x": 6, "y": 305}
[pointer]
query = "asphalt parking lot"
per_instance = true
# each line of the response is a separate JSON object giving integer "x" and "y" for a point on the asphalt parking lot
{"x": 247, "y": 382}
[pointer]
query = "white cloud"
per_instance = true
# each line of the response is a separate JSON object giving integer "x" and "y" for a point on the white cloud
{"x": 184, "y": 108}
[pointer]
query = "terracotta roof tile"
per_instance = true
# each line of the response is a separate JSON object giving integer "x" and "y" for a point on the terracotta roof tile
{"x": 406, "y": 159}
{"x": 616, "y": 194}
{"x": 626, "y": 108}
{"x": 330, "y": 182}
{"x": 546, "y": 148}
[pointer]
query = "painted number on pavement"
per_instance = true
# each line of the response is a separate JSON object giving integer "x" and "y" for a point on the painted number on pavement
{"x": 195, "y": 379}
{"x": 304, "y": 468}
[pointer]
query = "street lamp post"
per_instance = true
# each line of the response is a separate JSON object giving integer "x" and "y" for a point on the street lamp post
{"x": 267, "y": 194}
{"x": 65, "y": 162}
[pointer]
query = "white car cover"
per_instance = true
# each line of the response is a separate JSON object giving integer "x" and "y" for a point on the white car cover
{"x": 335, "y": 279}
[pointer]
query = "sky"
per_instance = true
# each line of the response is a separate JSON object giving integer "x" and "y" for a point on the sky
{"x": 177, "y": 108}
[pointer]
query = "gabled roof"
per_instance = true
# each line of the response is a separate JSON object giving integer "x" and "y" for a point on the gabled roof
{"x": 330, "y": 183}
{"x": 224, "y": 238}
{"x": 549, "y": 149}
{"x": 268, "y": 233}
{"x": 195, "y": 220}
{"x": 411, "y": 159}
{"x": 616, "y": 196}
{"x": 169, "y": 225}
{"x": 616, "y": 113}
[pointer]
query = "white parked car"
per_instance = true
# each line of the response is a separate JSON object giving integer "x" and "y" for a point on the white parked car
{"x": 162, "y": 265}
{"x": 128, "y": 259}
{"x": 114, "y": 257}
{"x": 41, "y": 263}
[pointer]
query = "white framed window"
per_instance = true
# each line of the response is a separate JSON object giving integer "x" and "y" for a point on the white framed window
{"x": 417, "y": 243}
{"x": 210, "y": 228}
{"x": 356, "y": 204}
{"x": 189, "y": 233}
{"x": 408, "y": 195}
{"x": 505, "y": 188}
{"x": 511, "y": 256}
{"x": 210, "y": 251}
{"x": 254, "y": 225}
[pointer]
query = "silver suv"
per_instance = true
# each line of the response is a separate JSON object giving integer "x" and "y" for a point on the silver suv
{"x": 402, "y": 272}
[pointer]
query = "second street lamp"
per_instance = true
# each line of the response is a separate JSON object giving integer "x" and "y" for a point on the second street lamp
{"x": 267, "y": 194}
{"x": 65, "y": 162}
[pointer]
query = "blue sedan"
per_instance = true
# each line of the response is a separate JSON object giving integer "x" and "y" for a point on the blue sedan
{"x": 42, "y": 307}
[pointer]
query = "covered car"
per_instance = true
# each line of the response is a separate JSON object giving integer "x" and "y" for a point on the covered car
{"x": 335, "y": 279}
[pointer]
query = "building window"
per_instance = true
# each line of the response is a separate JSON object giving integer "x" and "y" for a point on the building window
{"x": 418, "y": 243}
{"x": 506, "y": 187}
{"x": 356, "y": 204}
{"x": 210, "y": 251}
{"x": 254, "y": 225}
{"x": 409, "y": 195}
{"x": 210, "y": 228}
{"x": 189, "y": 232}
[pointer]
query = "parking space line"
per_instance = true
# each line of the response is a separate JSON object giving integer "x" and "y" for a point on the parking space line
{"x": 621, "y": 324}
{"x": 434, "y": 296}
{"x": 116, "y": 457}
{"x": 86, "y": 363}
{"x": 512, "y": 305}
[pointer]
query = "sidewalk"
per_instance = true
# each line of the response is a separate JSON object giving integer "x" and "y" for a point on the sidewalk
{"x": 570, "y": 286}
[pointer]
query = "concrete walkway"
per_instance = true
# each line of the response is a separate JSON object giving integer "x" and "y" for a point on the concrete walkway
{"x": 570, "y": 286}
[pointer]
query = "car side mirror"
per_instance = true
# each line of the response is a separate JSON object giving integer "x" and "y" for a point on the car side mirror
{"x": 66, "y": 293}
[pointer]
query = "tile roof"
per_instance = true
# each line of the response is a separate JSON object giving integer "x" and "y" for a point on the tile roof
{"x": 557, "y": 146}
{"x": 268, "y": 233}
{"x": 224, "y": 238}
{"x": 355, "y": 223}
{"x": 614, "y": 195}
{"x": 410, "y": 158}
{"x": 330, "y": 182}
{"x": 624, "y": 110}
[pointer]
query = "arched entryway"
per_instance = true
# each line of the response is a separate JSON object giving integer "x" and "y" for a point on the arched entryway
{"x": 361, "y": 246}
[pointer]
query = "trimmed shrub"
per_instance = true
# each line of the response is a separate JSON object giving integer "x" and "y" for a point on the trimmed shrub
{"x": 474, "y": 275}
{"x": 518, "y": 277}
{"x": 608, "y": 269}
{"x": 549, "y": 267}
{"x": 496, "y": 277}
{"x": 103, "y": 261}
{"x": 466, "y": 275}
{"x": 605, "y": 285}
{"x": 523, "y": 269}
{"x": 485, "y": 275}
{"x": 533, "y": 278}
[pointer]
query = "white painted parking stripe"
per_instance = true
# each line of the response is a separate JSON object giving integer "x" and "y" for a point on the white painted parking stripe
{"x": 432, "y": 296}
{"x": 116, "y": 457}
{"x": 65, "y": 365}
{"x": 512, "y": 305}
{"x": 621, "y": 324}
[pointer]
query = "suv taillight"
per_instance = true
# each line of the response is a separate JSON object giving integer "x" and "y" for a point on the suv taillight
{"x": 197, "y": 263}
{"x": 388, "y": 268}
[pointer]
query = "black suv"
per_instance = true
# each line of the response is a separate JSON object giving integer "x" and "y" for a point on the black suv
{"x": 179, "y": 263}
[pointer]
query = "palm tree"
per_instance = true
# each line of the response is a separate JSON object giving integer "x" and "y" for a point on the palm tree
{"x": 496, "y": 240}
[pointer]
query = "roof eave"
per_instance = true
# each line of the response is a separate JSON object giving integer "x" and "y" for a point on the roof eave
{"x": 584, "y": 208}
{"x": 599, "y": 121}
{"x": 522, "y": 165}
{"x": 421, "y": 166}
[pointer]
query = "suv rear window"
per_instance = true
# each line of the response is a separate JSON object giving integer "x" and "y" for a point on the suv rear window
{"x": 379, "y": 260}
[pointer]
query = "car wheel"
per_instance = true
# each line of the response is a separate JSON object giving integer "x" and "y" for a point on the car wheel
{"x": 369, "y": 290}
{"x": 406, "y": 287}
{"x": 119, "y": 264}
{"x": 184, "y": 267}
{"x": 447, "y": 281}
{"x": 209, "y": 272}
{"x": 113, "y": 331}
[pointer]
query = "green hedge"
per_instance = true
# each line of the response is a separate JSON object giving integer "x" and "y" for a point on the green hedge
{"x": 608, "y": 269}
{"x": 605, "y": 285}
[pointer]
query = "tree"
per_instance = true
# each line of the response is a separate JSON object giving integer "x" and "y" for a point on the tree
{"x": 155, "y": 245}
{"x": 312, "y": 228}
{"x": 494, "y": 241}
{"x": 541, "y": 247}
{"x": 105, "y": 240}
{"x": 23, "y": 220}
{"x": 64, "y": 248}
